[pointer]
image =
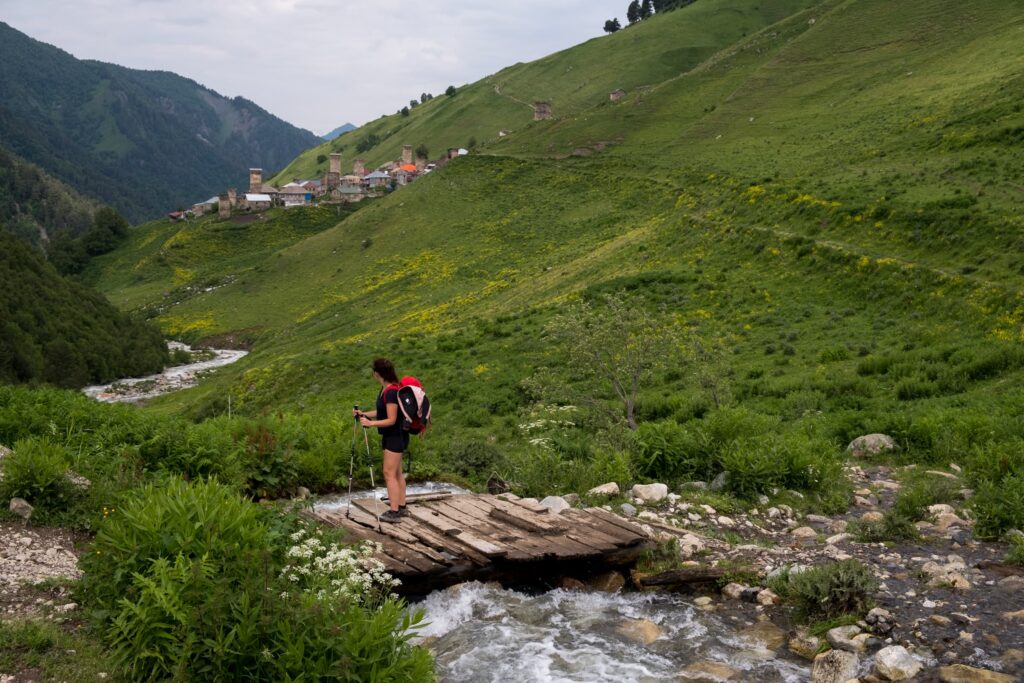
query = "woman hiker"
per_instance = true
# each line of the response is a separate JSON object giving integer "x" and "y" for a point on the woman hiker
{"x": 394, "y": 439}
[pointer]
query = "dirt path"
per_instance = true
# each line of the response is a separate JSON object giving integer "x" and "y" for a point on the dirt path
{"x": 33, "y": 556}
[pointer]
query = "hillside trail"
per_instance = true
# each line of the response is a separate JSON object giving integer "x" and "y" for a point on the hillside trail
{"x": 497, "y": 91}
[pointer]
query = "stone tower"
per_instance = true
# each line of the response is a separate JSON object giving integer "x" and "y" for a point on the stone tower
{"x": 406, "y": 154}
{"x": 541, "y": 111}
{"x": 224, "y": 208}
{"x": 359, "y": 168}
{"x": 334, "y": 174}
{"x": 232, "y": 197}
{"x": 255, "y": 180}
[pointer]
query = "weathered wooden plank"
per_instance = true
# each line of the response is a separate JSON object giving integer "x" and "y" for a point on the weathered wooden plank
{"x": 398, "y": 532}
{"x": 555, "y": 543}
{"x": 423, "y": 497}
{"x": 519, "y": 502}
{"x": 617, "y": 521}
{"x": 410, "y": 560}
{"x": 520, "y": 517}
{"x": 600, "y": 528}
{"x": 447, "y": 527}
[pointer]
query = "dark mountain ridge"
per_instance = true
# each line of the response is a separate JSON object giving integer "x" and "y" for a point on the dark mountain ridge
{"x": 145, "y": 142}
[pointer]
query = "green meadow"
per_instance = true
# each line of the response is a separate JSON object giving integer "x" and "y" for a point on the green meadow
{"x": 823, "y": 196}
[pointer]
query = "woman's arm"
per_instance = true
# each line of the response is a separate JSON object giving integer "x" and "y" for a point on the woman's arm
{"x": 391, "y": 419}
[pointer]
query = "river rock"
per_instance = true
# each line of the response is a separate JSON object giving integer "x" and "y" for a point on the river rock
{"x": 555, "y": 503}
{"x": 842, "y": 638}
{"x": 894, "y": 663}
{"x": 21, "y": 507}
{"x": 767, "y": 598}
{"x": 834, "y": 666}
{"x": 302, "y": 493}
{"x": 627, "y": 510}
{"x": 733, "y": 591}
{"x": 1011, "y": 584}
{"x": 941, "y": 509}
{"x": 803, "y": 644}
{"x": 643, "y": 631}
{"x": 650, "y": 493}
{"x": 609, "y": 582}
{"x": 609, "y": 489}
{"x": 872, "y": 517}
{"x": 805, "y": 532}
{"x": 765, "y": 633}
{"x": 961, "y": 673}
{"x": 570, "y": 584}
{"x": 708, "y": 671}
{"x": 871, "y": 444}
{"x": 571, "y": 498}
{"x": 1014, "y": 616}
{"x": 947, "y": 519}
{"x": 719, "y": 482}
{"x": 690, "y": 545}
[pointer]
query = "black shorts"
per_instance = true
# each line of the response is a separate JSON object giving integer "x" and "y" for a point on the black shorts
{"x": 396, "y": 441}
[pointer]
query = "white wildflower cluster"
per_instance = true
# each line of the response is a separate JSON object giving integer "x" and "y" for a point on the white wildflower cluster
{"x": 334, "y": 572}
{"x": 545, "y": 417}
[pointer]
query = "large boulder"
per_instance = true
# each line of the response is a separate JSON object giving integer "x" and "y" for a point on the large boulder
{"x": 894, "y": 663}
{"x": 871, "y": 444}
{"x": 643, "y": 631}
{"x": 650, "y": 493}
{"x": 834, "y": 666}
{"x": 709, "y": 671}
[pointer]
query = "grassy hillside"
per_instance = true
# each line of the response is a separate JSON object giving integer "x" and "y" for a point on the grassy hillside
{"x": 145, "y": 142}
{"x": 827, "y": 203}
{"x": 573, "y": 80}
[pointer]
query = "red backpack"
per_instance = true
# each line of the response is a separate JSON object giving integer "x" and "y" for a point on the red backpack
{"x": 413, "y": 405}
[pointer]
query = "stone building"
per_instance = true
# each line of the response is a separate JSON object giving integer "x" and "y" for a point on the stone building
{"x": 225, "y": 206}
{"x": 541, "y": 111}
{"x": 255, "y": 180}
{"x": 616, "y": 95}
{"x": 334, "y": 174}
{"x": 359, "y": 168}
{"x": 406, "y": 155}
{"x": 232, "y": 197}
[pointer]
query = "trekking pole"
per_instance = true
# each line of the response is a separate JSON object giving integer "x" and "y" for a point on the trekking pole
{"x": 351, "y": 462}
{"x": 373, "y": 487}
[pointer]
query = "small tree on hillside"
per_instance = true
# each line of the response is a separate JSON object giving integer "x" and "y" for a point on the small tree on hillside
{"x": 646, "y": 9}
{"x": 612, "y": 25}
{"x": 617, "y": 346}
{"x": 422, "y": 152}
{"x": 404, "y": 111}
{"x": 633, "y": 12}
{"x": 450, "y": 91}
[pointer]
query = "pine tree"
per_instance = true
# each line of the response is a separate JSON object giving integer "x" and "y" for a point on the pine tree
{"x": 612, "y": 25}
{"x": 646, "y": 9}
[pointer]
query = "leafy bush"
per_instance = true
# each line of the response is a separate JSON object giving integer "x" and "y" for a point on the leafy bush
{"x": 666, "y": 451}
{"x": 474, "y": 458}
{"x": 192, "y": 582}
{"x": 999, "y": 506}
{"x": 1016, "y": 554}
{"x": 792, "y": 461}
{"x": 917, "y": 495}
{"x": 828, "y": 591}
{"x": 892, "y": 527}
{"x": 37, "y": 472}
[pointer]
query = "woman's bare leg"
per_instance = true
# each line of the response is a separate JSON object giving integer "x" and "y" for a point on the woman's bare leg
{"x": 393, "y": 479}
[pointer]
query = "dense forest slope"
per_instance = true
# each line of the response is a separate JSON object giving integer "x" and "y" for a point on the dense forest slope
{"x": 56, "y": 331}
{"x": 145, "y": 142}
{"x": 35, "y": 206}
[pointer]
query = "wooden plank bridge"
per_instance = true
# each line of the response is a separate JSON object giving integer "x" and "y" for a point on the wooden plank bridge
{"x": 449, "y": 538}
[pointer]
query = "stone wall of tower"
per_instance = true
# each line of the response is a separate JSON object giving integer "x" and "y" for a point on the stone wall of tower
{"x": 232, "y": 197}
{"x": 224, "y": 210}
{"x": 255, "y": 180}
{"x": 406, "y": 154}
{"x": 541, "y": 111}
{"x": 335, "y": 163}
{"x": 359, "y": 168}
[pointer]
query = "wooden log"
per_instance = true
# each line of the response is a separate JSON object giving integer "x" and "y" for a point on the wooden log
{"x": 423, "y": 497}
{"x": 678, "y": 577}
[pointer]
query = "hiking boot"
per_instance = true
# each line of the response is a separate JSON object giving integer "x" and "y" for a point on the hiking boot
{"x": 391, "y": 516}
{"x": 403, "y": 510}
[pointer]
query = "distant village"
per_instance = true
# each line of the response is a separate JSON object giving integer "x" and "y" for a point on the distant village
{"x": 334, "y": 188}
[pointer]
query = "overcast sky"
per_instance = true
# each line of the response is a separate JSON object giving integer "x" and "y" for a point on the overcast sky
{"x": 315, "y": 63}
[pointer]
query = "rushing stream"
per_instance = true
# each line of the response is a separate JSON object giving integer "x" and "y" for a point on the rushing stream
{"x": 172, "y": 379}
{"x": 482, "y": 632}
